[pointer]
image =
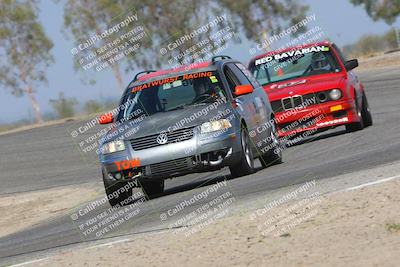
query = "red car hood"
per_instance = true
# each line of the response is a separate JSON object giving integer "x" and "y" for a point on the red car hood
{"x": 304, "y": 85}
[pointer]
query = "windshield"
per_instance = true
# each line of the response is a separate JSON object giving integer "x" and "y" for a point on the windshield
{"x": 173, "y": 93}
{"x": 294, "y": 64}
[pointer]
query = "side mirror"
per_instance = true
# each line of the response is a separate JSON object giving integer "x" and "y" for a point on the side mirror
{"x": 243, "y": 90}
{"x": 106, "y": 118}
{"x": 351, "y": 64}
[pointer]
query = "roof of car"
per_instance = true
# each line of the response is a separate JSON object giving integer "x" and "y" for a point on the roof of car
{"x": 279, "y": 51}
{"x": 174, "y": 70}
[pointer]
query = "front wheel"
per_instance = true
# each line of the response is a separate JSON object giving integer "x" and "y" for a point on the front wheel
{"x": 246, "y": 163}
{"x": 152, "y": 188}
{"x": 117, "y": 194}
{"x": 274, "y": 154}
{"x": 366, "y": 112}
{"x": 356, "y": 126}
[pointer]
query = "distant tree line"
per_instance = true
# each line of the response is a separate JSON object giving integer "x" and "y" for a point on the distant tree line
{"x": 66, "y": 107}
{"x": 25, "y": 48}
{"x": 371, "y": 44}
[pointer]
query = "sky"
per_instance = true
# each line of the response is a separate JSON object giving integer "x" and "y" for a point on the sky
{"x": 341, "y": 21}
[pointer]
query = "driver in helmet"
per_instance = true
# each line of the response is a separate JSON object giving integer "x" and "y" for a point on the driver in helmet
{"x": 203, "y": 88}
{"x": 319, "y": 62}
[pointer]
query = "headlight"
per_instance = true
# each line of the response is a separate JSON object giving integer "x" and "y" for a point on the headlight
{"x": 213, "y": 126}
{"x": 335, "y": 94}
{"x": 113, "y": 146}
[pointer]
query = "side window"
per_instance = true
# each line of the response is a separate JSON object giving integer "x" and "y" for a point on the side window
{"x": 248, "y": 75}
{"x": 341, "y": 56}
{"x": 239, "y": 74}
{"x": 230, "y": 76}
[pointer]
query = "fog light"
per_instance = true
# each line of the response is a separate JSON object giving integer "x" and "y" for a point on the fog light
{"x": 336, "y": 108}
{"x": 322, "y": 97}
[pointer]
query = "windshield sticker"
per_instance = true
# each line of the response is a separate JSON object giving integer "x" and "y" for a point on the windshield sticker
{"x": 172, "y": 85}
{"x": 213, "y": 79}
{"x": 172, "y": 80}
{"x": 197, "y": 75}
{"x": 292, "y": 53}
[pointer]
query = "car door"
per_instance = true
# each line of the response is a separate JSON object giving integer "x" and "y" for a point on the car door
{"x": 260, "y": 97}
{"x": 246, "y": 103}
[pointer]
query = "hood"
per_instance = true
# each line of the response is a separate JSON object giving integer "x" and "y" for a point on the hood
{"x": 187, "y": 117}
{"x": 304, "y": 85}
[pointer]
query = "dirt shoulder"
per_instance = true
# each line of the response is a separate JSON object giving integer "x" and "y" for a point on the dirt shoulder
{"x": 380, "y": 61}
{"x": 22, "y": 210}
{"x": 354, "y": 228}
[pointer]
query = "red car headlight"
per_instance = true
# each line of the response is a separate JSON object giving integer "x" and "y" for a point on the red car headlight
{"x": 335, "y": 94}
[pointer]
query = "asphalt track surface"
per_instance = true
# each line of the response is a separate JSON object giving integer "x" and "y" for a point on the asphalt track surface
{"x": 49, "y": 157}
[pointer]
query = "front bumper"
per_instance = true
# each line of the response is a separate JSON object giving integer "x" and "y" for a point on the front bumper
{"x": 201, "y": 153}
{"x": 316, "y": 117}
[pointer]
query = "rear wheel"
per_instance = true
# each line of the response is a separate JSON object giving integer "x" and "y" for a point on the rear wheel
{"x": 153, "y": 188}
{"x": 246, "y": 163}
{"x": 274, "y": 155}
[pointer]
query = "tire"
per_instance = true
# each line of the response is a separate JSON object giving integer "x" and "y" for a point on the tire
{"x": 356, "y": 126}
{"x": 110, "y": 188}
{"x": 366, "y": 112}
{"x": 152, "y": 188}
{"x": 246, "y": 164}
{"x": 271, "y": 157}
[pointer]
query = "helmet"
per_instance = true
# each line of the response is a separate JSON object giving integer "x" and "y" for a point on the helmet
{"x": 320, "y": 62}
{"x": 201, "y": 86}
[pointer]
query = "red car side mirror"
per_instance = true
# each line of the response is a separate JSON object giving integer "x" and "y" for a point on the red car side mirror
{"x": 243, "y": 89}
{"x": 351, "y": 64}
{"x": 106, "y": 118}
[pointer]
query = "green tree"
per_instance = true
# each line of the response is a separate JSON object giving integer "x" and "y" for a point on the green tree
{"x": 167, "y": 20}
{"x": 258, "y": 16}
{"x": 371, "y": 43}
{"x": 390, "y": 39}
{"x": 24, "y": 49}
{"x": 388, "y": 10}
{"x": 85, "y": 18}
{"x": 64, "y": 107}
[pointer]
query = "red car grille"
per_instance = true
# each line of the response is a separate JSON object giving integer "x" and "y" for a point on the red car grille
{"x": 293, "y": 102}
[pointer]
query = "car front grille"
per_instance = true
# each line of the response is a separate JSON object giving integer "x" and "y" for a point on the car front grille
{"x": 171, "y": 166}
{"x": 293, "y": 102}
{"x": 172, "y": 137}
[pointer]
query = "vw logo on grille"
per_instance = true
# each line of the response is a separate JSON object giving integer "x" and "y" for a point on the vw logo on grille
{"x": 162, "y": 138}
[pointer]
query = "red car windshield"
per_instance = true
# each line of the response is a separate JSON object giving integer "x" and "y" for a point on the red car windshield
{"x": 295, "y": 63}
